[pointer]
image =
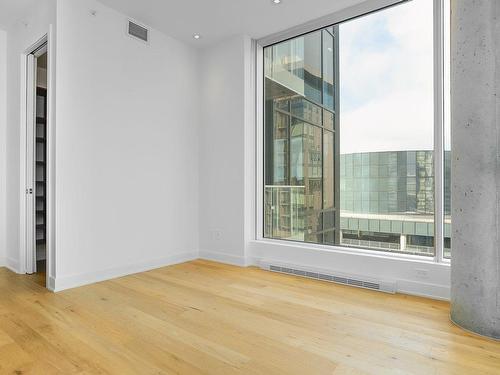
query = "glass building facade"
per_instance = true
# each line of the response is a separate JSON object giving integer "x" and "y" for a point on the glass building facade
{"x": 300, "y": 139}
{"x": 387, "y": 201}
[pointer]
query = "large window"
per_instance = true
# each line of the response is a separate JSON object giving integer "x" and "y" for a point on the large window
{"x": 350, "y": 150}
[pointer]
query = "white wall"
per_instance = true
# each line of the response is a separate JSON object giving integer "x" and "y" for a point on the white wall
{"x": 3, "y": 120}
{"x": 20, "y": 36}
{"x": 224, "y": 121}
{"x": 126, "y": 147}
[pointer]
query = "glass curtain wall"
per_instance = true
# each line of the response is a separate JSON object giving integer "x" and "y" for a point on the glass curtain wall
{"x": 300, "y": 139}
{"x": 349, "y": 135}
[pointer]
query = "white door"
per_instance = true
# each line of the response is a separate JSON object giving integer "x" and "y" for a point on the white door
{"x": 30, "y": 164}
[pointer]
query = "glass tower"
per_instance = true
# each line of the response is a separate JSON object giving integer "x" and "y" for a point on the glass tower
{"x": 300, "y": 168}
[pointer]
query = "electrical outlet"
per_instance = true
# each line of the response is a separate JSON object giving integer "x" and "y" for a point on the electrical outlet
{"x": 422, "y": 273}
{"x": 216, "y": 235}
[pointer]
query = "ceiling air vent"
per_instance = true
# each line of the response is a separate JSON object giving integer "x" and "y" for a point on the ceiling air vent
{"x": 137, "y": 31}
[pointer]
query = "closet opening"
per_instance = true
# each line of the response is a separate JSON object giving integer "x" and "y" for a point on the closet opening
{"x": 36, "y": 164}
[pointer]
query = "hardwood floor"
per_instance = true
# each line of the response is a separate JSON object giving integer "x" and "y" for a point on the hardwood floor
{"x": 207, "y": 318}
{"x": 40, "y": 276}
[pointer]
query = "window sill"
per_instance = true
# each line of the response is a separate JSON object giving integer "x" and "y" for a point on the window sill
{"x": 352, "y": 251}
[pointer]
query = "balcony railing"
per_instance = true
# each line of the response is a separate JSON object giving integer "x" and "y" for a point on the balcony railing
{"x": 284, "y": 211}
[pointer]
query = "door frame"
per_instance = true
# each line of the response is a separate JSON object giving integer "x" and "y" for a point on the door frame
{"x": 30, "y": 166}
{"x": 48, "y": 39}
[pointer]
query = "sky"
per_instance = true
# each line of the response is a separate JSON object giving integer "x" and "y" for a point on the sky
{"x": 386, "y": 80}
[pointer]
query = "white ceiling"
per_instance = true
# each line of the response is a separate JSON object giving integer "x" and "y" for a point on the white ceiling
{"x": 213, "y": 19}
{"x": 218, "y": 19}
{"x": 12, "y": 10}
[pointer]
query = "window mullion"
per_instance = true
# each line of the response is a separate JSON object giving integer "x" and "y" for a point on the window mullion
{"x": 438, "y": 133}
{"x": 336, "y": 129}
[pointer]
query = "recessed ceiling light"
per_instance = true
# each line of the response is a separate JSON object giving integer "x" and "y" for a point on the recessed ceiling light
{"x": 197, "y": 36}
{"x": 276, "y": 1}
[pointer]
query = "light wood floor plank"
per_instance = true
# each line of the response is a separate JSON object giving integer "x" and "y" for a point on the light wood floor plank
{"x": 203, "y": 317}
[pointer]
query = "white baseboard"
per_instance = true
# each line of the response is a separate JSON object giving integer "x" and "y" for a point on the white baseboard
{"x": 11, "y": 264}
{"x": 224, "y": 258}
{"x": 416, "y": 288}
{"x": 72, "y": 281}
{"x": 51, "y": 284}
{"x": 409, "y": 287}
{"x": 421, "y": 289}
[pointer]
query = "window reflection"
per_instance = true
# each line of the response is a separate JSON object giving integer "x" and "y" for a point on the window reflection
{"x": 300, "y": 177}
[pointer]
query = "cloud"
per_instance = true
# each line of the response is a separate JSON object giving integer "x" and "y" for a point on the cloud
{"x": 386, "y": 80}
{"x": 389, "y": 123}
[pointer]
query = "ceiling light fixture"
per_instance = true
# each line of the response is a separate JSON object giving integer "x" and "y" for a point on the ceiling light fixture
{"x": 276, "y": 1}
{"x": 196, "y": 36}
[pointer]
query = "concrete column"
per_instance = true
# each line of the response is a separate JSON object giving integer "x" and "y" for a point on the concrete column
{"x": 475, "y": 101}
